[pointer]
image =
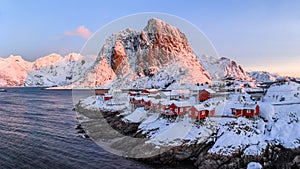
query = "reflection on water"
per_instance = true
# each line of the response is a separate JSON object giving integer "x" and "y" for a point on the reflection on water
{"x": 37, "y": 131}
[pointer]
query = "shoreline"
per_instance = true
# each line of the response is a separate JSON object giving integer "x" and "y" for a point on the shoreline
{"x": 275, "y": 156}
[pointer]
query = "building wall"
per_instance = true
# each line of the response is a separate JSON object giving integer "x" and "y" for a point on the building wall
{"x": 204, "y": 95}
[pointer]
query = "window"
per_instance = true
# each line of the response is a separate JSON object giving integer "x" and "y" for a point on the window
{"x": 248, "y": 111}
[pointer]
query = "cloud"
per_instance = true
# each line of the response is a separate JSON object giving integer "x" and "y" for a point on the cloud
{"x": 80, "y": 31}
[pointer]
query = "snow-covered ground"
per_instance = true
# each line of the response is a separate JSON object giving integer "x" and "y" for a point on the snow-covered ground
{"x": 286, "y": 93}
{"x": 275, "y": 125}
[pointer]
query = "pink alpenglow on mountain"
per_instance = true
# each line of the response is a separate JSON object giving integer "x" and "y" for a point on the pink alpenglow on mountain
{"x": 14, "y": 71}
{"x": 157, "y": 56}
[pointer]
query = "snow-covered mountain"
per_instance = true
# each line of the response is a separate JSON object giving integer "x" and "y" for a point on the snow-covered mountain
{"x": 14, "y": 71}
{"x": 263, "y": 76}
{"x": 51, "y": 70}
{"x": 55, "y": 70}
{"x": 219, "y": 68}
{"x": 159, "y": 56}
{"x": 158, "y": 53}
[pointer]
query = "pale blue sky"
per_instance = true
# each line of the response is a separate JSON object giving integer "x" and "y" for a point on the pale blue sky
{"x": 262, "y": 35}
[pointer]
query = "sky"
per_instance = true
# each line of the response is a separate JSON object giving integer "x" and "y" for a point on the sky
{"x": 259, "y": 35}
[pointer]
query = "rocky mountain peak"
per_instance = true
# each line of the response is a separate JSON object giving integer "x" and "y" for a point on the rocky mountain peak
{"x": 47, "y": 60}
{"x": 158, "y": 46}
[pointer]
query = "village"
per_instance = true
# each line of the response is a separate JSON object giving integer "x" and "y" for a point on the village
{"x": 198, "y": 102}
{"x": 241, "y": 116}
{"x": 229, "y": 98}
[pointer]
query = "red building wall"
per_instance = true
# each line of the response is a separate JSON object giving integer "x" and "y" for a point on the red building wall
{"x": 204, "y": 95}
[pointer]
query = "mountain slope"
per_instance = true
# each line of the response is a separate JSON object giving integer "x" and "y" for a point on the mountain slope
{"x": 54, "y": 70}
{"x": 263, "y": 76}
{"x": 135, "y": 56}
{"x": 219, "y": 68}
{"x": 13, "y": 71}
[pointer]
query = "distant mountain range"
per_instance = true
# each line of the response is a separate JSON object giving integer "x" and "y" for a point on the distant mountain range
{"x": 51, "y": 70}
{"x": 157, "y": 56}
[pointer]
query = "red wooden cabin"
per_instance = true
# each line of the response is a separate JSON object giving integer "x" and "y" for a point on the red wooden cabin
{"x": 102, "y": 92}
{"x": 206, "y": 94}
{"x": 147, "y": 103}
{"x": 164, "y": 108}
{"x": 108, "y": 97}
{"x": 180, "y": 108}
{"x": 200, "y": 112}
{"x": 248, "y": 110}
{"x": 138, "y": 101}
{"x": 149, "y": 91}
{"x": 154, "y": 104}
{"x": 132, "y": 93}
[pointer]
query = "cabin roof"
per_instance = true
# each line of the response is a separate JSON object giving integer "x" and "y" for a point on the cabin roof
{"x": 244, "y": 106}
{"x": 154, "y": 101}
{"x": 139, "y": 98}
{"x": 181, "y": 104}
{"x": 200, "y": 107}
{"x": 210, "y": 91}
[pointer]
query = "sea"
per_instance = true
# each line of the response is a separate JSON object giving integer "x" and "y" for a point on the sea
{"x": 37, "y": 130}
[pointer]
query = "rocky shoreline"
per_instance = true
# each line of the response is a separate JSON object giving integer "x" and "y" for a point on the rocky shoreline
{"x": 196, "y": 154}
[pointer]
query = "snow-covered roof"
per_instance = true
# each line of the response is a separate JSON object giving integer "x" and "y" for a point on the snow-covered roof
{"x": 194, "y": 87}
{"x": 172, "y": 93}
{"x": 182, "y": 91}
{"x": 154, "y": 101}
{"x": 253, "y": 90}
{"x": 153, "y": 95}
{"x": 244, "y": 106}
{"x": 199, "y": 107}
{"x": 146, "y": 99}
{"x": 139, "y": 98}
{"x": 166, "y": 102}
{"x": 133, "y": 92}
{"x": 182, "y": 103}
{"x": 152, "y": 90}
{"x": 210, "y": 91}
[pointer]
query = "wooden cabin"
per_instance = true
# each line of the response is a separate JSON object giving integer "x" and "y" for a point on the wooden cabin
{"x": 206, "y": 94}
{"x": 149, "y": 91}
{"x": 107, "y": 97}
{"x": 132, "y": 93}
{"x": 101, "y": 92}
{"x": 154, "y": 104}
{"x": 171, "y": 95}
{"x": 200, "y": 111}
{"x": 147, "y": 103}
{"x": 164, "y": 108}
{"x": 248, "y": 110}
{"x": 180, "y": 108}
{"x": 137, "y": 101}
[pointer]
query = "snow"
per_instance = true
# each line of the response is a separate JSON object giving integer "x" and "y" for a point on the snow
{"x": 283, "y": 130}
{"x": 219, "y": 68}
{"x": 266, "y": 111}
{"x": 137, "y": 116}
{"x": 276, "y": 124}
{"x": 182, "y": 103}
{"x": 210, "y": 91}
{"x": 13, "y": 71}
{"x": 54, "y": 70}
{"x": 262, "y": 76}
{"x": 254, "y": 165}
{"x": 51, "y": 70}
{"x": 174, "y": 133}
{"x": 286, "y": 93}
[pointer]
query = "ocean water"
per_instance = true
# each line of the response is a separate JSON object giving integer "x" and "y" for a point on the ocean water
{"x": 37, "y": 131}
